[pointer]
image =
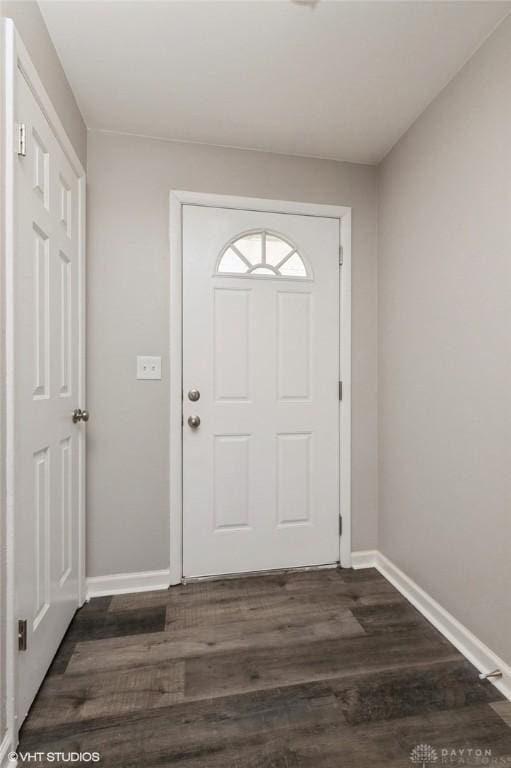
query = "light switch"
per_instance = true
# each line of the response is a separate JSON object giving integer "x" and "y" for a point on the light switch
{"x": 148, "y": 367}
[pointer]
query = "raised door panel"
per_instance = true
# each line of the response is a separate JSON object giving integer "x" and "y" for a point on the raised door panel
{"x": 231, "y": 473}
{"x": 65, "y": 318}
{"x": 294, "y": 320}
{"x": 294, "y": 478}
{"x": 231, "y": 345}
{"x": 41, "y": 313}
{"x": 41, "y": 540}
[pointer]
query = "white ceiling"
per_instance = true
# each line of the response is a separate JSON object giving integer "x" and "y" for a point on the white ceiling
{"x": 334, "y": 79}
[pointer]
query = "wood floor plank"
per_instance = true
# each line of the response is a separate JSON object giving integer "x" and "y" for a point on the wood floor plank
{"x": 134, "y": 651}
{"x": 503, "y": 709}
{"x": 267, "y": 668}
{"x": 382, "y": 618}
{"x": 286, "y": 609}
{"x": 390, "y": 695}
{"x": 95, "y": 625}
{"x": 309, "y": 584}
{"x": 75, "y": 698}
{"x": 130, "y": 602}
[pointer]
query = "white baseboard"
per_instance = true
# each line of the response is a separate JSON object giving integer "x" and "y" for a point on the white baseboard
{"x": 482, "y": 657}
{"x": 5, "y": 748}
{"x": 123, "y": 583}
{"x": 364, "y": 559}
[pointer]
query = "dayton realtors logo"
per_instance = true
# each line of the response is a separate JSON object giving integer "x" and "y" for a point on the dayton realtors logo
{"x": 424, "y": 755}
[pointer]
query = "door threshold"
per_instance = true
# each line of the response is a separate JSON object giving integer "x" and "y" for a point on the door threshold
{"x": 252, "y": 574}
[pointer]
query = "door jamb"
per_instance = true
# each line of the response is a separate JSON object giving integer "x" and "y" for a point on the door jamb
{"x": 178, "y": 199}
{"x": 16, "y": 56}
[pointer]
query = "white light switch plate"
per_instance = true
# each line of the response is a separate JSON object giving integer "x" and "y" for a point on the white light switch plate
{"x": 148, "y": 367}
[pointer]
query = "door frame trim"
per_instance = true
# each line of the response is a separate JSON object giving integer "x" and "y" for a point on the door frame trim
{"x": 179, "y": 198}
{"x": 16, "y": 56}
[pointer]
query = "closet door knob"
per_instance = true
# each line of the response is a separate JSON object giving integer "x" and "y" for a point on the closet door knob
{"x": 79, "y": 415}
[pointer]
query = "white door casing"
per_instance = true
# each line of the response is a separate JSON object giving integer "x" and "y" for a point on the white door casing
{"x": 44, "y": 254}
{"x": 261, "y": 472}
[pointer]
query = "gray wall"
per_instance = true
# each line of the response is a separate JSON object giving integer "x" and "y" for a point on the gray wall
{"x": 445, "y": 347}
{"x": 128, "y": 313}
{"x": 30, "y": 24}
{"x": 32, "y": 29}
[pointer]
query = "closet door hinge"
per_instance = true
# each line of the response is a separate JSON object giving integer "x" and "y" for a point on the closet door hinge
{"x": 340, "y": 525}
{"x": 341, "y": 259}
{"x": 22, "y": 635}
{"x": 340, "y": 390}
{"x": 21, "y": 148}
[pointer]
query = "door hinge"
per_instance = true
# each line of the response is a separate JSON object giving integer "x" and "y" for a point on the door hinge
{"x": 341, "y": 259}
{"x": 340, "y": 525}
{"x": 22, "y": 140}
{"x": 22, "y": 635}
{"x": 340, "y": 390}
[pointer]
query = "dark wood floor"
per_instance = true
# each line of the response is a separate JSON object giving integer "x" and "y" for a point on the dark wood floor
{"x": 331, "y": 669}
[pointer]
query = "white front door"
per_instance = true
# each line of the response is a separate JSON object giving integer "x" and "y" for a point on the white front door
{"x": 261, "y": 349}
{"x": 48, "y": 446}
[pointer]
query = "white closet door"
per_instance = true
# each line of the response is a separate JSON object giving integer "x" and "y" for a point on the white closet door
{"x": 47, "y": 442}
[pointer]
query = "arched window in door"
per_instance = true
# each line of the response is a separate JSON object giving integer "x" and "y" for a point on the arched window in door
{"x": 264, "y": 254}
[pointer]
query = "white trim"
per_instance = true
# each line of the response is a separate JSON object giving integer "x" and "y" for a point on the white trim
{"x": 213, "y": 200}
{"x": 179, "y": 198}
{"x": 366, "y": 558}
{"x": 123, "y": 583}
{"x": 345, "y": 377}
{"x": 17, "y": 57}
{"x": 477, "y": 652}
{"x": 176, "y": 388}
{"x": 5, "y": 748}
{"x": 82, "y": 393}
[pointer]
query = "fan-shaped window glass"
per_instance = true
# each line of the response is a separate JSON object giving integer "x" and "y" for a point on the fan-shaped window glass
{"x": 293, "y": 267}
{"x": 276, "y": 249}
{"x": 231, "y": 262}
{"x": 261, "y": 253}
{"x": 251, "y": 247}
